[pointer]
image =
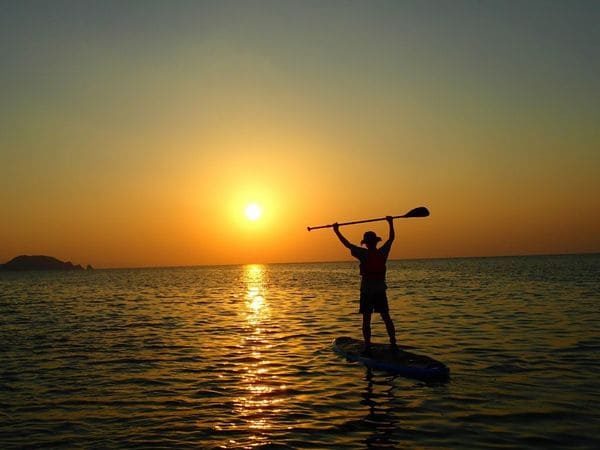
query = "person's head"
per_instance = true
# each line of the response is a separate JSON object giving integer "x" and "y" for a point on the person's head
{"x": 370, "y": 239}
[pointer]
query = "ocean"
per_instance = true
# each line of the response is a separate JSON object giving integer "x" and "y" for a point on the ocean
{"x": 240, "y": 357}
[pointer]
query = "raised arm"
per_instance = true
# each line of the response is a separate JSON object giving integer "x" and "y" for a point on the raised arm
{"x": 343, "y": 240}
{"x": 392, "y": 235}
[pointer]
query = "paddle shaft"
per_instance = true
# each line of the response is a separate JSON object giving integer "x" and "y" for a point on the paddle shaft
{"x": 379, "y": 219}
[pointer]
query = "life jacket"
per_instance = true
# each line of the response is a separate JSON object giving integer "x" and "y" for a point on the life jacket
{"x": 373, "y": 266}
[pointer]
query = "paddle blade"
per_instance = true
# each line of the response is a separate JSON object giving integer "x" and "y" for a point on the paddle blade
{"x": 421, "y": 211}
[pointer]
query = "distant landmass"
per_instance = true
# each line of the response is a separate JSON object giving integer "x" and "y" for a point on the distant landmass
{"x": 39, "y": 262}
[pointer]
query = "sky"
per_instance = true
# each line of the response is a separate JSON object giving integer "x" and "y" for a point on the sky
{"x": 136, "y": 133}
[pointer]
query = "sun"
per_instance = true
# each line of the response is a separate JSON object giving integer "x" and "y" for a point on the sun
{"x": 253, "y": 211}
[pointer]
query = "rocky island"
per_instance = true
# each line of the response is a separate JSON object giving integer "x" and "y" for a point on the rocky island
{"x": 39, "y": 262}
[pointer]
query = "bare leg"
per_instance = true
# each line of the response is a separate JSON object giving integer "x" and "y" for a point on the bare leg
{"x": 389, "y": 326}
{"x": 366, "y": 328}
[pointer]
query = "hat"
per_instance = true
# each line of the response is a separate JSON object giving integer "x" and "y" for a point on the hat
{"x": 370, "y": 236}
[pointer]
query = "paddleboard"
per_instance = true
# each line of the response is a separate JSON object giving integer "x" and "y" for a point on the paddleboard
{"x": 401, "y": 362}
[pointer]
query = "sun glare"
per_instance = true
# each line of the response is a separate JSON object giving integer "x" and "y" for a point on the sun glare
{"x": 253, "y": 211}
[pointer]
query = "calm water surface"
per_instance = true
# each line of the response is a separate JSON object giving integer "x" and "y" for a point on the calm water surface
{"x": 240, "y": 357}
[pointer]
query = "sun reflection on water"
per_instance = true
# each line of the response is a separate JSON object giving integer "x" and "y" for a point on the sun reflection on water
{"x": 257, "y": 309}
{"x": 258, "y": 401}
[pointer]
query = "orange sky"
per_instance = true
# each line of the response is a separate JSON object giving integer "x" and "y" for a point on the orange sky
{"x": 135, "y": 137}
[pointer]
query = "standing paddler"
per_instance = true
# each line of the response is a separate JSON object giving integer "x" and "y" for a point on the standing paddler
{"x": 372, "y": 286}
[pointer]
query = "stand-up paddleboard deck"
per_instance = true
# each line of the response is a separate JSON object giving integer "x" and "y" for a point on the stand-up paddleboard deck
{"x": 382, "y": 358}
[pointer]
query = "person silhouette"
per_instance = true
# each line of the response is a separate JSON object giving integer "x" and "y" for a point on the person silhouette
{"x": 373, "y": 297}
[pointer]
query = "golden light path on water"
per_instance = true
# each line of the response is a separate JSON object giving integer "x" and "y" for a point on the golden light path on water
{"x": 256, "y": 405}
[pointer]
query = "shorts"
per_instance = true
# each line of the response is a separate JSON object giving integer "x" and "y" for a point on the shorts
{"x": 373, "y": 297}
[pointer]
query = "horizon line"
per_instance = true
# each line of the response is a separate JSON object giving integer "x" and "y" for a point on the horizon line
{"x": 349, "y": 261}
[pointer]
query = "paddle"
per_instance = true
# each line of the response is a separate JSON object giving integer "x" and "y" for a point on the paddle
{"x": 421, "y": 211}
